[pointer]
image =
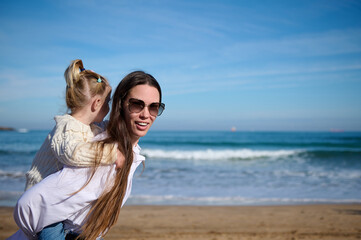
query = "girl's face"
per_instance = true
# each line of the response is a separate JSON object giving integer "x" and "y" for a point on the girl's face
{"x": 139, "y": 119}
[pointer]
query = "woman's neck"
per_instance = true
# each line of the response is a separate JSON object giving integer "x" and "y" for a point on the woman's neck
{"x": 135, "y": 141}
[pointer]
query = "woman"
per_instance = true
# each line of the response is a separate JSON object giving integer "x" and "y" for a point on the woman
{"x": 97, "y": 194}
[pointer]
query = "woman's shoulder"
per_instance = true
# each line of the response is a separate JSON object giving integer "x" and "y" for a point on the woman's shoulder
{"x": 99, "y": 127}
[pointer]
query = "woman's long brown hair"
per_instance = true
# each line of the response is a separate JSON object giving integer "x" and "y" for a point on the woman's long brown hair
{"x": 105, "y": 211}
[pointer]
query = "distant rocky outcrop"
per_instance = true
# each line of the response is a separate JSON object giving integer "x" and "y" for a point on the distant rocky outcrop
{"x": 7, "y": 129}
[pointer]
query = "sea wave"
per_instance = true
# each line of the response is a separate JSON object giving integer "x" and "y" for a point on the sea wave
{"x": 338, "y": 154}
{"x": 211, "y": 154}
{"x": 282, "y": 144}
{"x": 249, "y": 154}
{"x": 18, "y": 151}
{"x": 9, "y": 198}
{"x": 182, "y": 200}
{"x": 11, "y": 174}
{"x": 312, "y": 173}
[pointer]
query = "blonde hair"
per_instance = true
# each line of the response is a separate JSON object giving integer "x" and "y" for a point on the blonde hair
{"x": 82, "y": 84}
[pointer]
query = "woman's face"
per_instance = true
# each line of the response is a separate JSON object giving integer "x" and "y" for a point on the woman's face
{"x": 139, "y": 122}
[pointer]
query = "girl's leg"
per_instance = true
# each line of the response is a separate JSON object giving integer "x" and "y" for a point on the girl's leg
{"x": 52, "y": 232}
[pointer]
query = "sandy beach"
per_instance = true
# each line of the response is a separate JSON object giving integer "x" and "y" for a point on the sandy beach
{"x": 227, "y": 223}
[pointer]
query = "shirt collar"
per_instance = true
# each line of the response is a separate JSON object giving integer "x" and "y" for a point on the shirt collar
{"x": 138, "y": 157}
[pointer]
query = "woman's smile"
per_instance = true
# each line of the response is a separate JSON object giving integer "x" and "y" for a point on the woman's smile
{"x": 141, "y": 125}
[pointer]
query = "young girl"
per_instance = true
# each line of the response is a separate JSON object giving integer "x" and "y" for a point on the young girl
{"x": 87, "y": 97}
{"x": 69, "y": 143}
{"x": 90, "y": 205}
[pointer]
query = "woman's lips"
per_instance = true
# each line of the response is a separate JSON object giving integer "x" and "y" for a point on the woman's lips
{"x": 141, "y": 125}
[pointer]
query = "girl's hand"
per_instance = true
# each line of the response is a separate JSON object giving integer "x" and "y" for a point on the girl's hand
{"x": 119, "y": 163}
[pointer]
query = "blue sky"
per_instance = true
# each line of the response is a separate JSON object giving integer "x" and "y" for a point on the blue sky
{"x": 253, "y": 65}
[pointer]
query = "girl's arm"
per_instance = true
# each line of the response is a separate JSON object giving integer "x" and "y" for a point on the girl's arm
{"x": 72, "y": 145}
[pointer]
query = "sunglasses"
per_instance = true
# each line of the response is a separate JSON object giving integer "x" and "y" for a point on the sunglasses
{"x": 137, "y": 105}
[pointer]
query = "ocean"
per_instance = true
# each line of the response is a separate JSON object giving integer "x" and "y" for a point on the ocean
{"x": 220, "y": 168}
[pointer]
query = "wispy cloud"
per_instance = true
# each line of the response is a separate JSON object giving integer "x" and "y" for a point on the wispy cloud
{"x": 17, "y": 86}
{"x": 328, "y": 43}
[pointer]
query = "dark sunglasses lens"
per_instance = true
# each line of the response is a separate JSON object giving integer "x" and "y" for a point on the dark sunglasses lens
{"x": 136, "y": 106}
{"x": 154, "y": 109}
{"x": 161, "y": 109}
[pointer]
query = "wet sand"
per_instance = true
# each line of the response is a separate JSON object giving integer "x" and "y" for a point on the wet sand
{"x": 227, "y": 223}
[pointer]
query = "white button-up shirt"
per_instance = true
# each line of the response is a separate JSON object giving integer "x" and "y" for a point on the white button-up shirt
{"x": 51, "y": 200}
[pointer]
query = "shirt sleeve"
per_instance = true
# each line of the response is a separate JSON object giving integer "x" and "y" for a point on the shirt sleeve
{"x": 32, "y": 212}
{"x": 73, "y": 147}
{"x": 53, "y": 200}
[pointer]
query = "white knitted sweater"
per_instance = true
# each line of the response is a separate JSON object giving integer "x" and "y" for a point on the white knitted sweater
{"x": 69, "y": 143}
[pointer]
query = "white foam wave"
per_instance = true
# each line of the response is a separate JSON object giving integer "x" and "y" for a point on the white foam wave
{"x": 336, "y": 174}
{"x": 17, "y": 174}
{"x": 210, "y": 154}
{"x": 180, "y": 200}
{"x": 22, "y": 130}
